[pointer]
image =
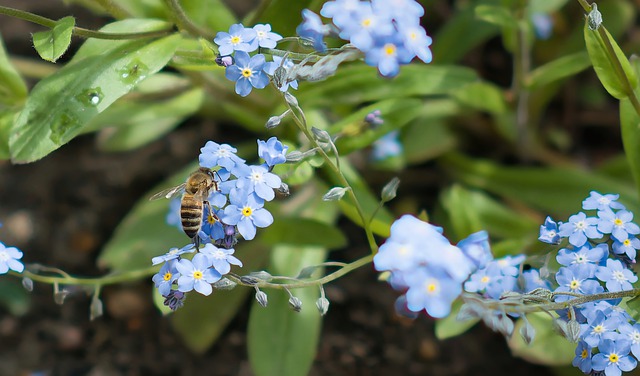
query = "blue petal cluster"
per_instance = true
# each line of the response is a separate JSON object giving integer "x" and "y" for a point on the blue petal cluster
{"x": 387, "y": 31}
{"x": 237, "y": 210}
{"x": 426, "y": 266}
{"x": 247, "y": 71}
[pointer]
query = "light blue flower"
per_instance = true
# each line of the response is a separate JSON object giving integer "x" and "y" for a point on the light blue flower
{"x": 416, "y": 40}
{"x": 387, "y": 146}
{"x": 265, "y": 38}
{"x": 542, "y": 25}
{"x": 312, "y": 28}
{"x": 223, "y": 155}
{"x": 271, "y": 67}
{"x": 599, "y": 328}
{"x": 165, "y": 277}
{"x": 583, "y": 357}
{"x": 576, "y": 279}
{"x": 221, "y": 259}
{"x": 260, "y": 181}
{"x": 583, "y": 255}
{"x": 629, "y": 247}
{"x": 387, "y": 54}
{"x": 211, "y": 227}
{"x": 272, "y": 151}
{"x": 597, "y": 201}
{"x": 9, "y": 259}
{"x": 618, "y": 224}
{"x": 614, "y": 358}
{"x": 197, "y": 274}
{"x": 432, "y": 290}
{"x": 580, "y": 228}
{"x": 615, "y": 276}
{"x": 365, "y": 27}
{"x": 239, "y": 38}
{"x": 632, "y": 334}
{"x": 476, "y": 248}
{"x": 533, "y": 281}
{"x": 549, "y": 232}
{"x": 247, "y": 72}
{"x": 247, "y": 215}
{"x": 173, "y": 254}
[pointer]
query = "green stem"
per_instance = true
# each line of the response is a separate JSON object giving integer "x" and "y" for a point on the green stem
{"x": 98, "y": 281}
{"x": 183, "y": 21}
{"x": 343, "y": 181}
{"x": 81, "y": 32}
{"x": 345, "y": 269}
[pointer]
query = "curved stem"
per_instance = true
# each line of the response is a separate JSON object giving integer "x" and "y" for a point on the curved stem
{"x": 341, "y": 178}
{"x": 81, "y": 32}
{"x": 113, "y": 9}
{"x": 183, "y": 21}
{"x": 101, "y": 281}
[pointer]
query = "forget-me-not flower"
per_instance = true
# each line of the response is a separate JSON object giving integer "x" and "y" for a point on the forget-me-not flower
{"x": 247, "y": 72}
{"x": 239, "y": 38}
{"x": 197, "y": 274}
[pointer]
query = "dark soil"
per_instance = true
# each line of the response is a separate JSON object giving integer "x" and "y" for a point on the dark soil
{"x": 61, "y": 210}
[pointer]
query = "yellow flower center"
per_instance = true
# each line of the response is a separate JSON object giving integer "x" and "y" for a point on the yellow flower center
{"x": 197, "y": 274}
{"x": 626, "y": 242}
{"x": 432, "y": 287}
{"x": 413, "y": 35}
{"x": 613, "y": 358}
{"x": 584, "y": 354}
{"x": 574, "y": 285}
{"x": 618, "y": 222}
{"x": 167, "y": 276}
{"x": 211, "y": 219}
{"x": 485, "y": 279}
{"x": 246, "y": 72}
{"x": 366, "y": 22}
{"x": 598, "y": 329}
{"x": 390, "y": 49}
{"x": 236, "y": 39}
{"x": 247, "y": 211}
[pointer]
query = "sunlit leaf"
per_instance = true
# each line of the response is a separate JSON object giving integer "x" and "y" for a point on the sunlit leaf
{"x": 13, "y": 90}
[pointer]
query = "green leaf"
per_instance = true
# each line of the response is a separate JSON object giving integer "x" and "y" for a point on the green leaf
{"x": 6, "y": 121}
{"x": 282, "y": 342}
{"x": 213, "y": 14}
{"x": 548, "y": 347}
{"x": 450, "y": 326}
{"x": 605, "y": 69}
{"x": 430, "y": 136}
{"x": 61, "y": 105}
{"x": 145, "y": 122}
{"x": 303, "y": 232}
{"x": 13, "y": 90}
{"x": 496, "y": 15}
{"x": 13, "y": 297}
{"x": 360, "y": 83}
{"x": 52, "y": 44}
{"x": 203, "y": 318}
{"x": 554, "y": 190}
{"x": 630, "y": 128}
{"x": 545, "y": 6}
{"x": 558, "y": 69}
{"x": 483, "y": 96}
{"x": 144, "y": 232}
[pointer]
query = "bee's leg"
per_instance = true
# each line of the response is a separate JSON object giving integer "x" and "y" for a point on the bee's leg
{"x": 211, "y": 213}
{"x": 196, "y": 241}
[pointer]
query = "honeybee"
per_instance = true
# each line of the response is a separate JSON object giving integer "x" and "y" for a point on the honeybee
{"x": 195, "y": 192}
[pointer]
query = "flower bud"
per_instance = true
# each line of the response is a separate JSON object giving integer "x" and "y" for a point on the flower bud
{"x": 321, "y": 135}
{"x": 224, "y": 284}
{"x": 261, "y": 297}
{"x": 389, "y": 190}
{"x": 291, "y": 100}
{"x": 224, "y": 61}
{"x": 323, "y": 305}
{"x": 295, "y": 303}
{"x": 27, "y": 283}
{"x": 273, "y": 122}
{"x": 334, "y": 194}
{"x": 96, "y": 308}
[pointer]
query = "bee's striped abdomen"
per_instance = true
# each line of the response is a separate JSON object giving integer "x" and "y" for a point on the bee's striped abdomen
{"x": 191, "y": 215}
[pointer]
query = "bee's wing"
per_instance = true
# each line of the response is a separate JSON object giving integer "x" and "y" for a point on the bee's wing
{"x": 169, "y": 192}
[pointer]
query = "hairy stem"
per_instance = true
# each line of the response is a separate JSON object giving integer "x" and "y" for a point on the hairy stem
{"x": 183, "y": 21}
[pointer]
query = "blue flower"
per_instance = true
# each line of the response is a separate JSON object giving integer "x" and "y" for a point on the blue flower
{"x": 617, "y": 224}
{"x": 576, "y": 279}
{"x": 9, "y": 259}
{"x": 265, "y": 38}
{"x": 601, "y": 202}
{"x": 479, "y": 281}
{"x": 402, "y": 11}
{"x": 272, "y": 151}
{"x": 342, "y": 11}
{"x": 628, "y": 247}
{"x": 387, "y": 146}
{"x": 432, "y": 290}
{"x": 197, "y": 274}
{"x": 312, "y": 28}
{"x": 271, "y": 66}
{"x": 533, "y": 281}
{"x": 247, "y": 215}
{"x": 165, "y": 277}
{"x": 416, "y": 40}
{"x": 248, "y": 73}
{"x": 175, "y": 299}
{"x": 632, "y": 334}
{"x": 614, "y": 358}
{"x": 173, "y": 215}
{"x": 221, "y": 259}
{"x": 583, "y": 255}
{"x": 261, "y": 181}
{"x": 583, "y": 357}
{"x": 598, "y": 328}
{"x": 365, "y": 27}
{"x": 542, "y": 25}
{"x": 173, "y": 254}
{"x": 476, "y": 248}
{"x": 615, "y": 276}
{"x": 549, "y": 232}
{"x": 579, "y": 229}
{"x": 211, "y": 228}
{"x": 214, "y": 154}
{"x": 239, "y": 38}
{"x": 387, "y": 54}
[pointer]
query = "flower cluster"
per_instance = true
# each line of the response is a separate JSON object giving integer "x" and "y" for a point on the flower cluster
{"x": 388, "y": 32}
{"x": 426, "y": 266}
{"x": 247, "y": 71}
{"x": 597, "y": 258}
{"x": 236, "y": 210}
